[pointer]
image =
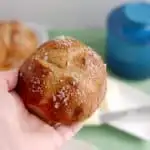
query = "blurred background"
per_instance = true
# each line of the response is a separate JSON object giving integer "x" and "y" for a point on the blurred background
{"x": 59, "y": 13}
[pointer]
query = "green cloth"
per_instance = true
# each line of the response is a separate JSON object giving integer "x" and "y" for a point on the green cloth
{"x": 106, "y": 137}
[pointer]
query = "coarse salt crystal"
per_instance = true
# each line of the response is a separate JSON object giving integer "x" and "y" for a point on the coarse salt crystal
{"x": 29, "y": 68}
{"x": 46, "y": 58}
{"x": 46, "y": 53}
{"x": 56, "y": 105}
{"x": 59, "y": 96}
{"x": 62, "y": 93}
{"x": 54, "y": 98}
{"x": 65, "y": 99}
{"x": 43, "y": 75}
{"x": 21, "y": 74}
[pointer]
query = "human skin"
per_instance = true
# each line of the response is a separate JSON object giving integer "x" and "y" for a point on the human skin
{"x": 20, "y": 130}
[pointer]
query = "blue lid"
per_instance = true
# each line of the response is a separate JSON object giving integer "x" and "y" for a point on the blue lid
{"x": 137, "y": 28}
{"x": 138, "y": 12}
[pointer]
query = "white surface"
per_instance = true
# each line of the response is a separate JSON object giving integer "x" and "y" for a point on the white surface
{"x": 40, "y": 31}
{"x": 78, "y": 145}
{"x": 120, "y": 97}
{"x": 131, "y": 98}
{"x": 59, "y": 13}
{"x": 127, "y": 97}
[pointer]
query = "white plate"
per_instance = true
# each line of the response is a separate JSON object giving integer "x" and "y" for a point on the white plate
{"x": 40, "y": 31}
{"x": 130, "y": 98}
{"x": 121, "y": 96}
{"x": 78, "y": 145}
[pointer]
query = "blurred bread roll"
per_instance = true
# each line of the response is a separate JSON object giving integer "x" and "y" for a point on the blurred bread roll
{"x": 17, "y": 42}
{"x": 64, "y": 81}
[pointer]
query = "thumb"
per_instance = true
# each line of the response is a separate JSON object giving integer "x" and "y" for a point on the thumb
{"x": 8, "y": 79}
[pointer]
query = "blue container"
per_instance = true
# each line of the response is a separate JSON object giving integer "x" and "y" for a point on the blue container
{"x": 128, "y": 40}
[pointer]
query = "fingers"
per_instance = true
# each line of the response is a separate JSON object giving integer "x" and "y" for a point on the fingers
{"x": 67, "y": 132}
{"x": 8, "y": 79}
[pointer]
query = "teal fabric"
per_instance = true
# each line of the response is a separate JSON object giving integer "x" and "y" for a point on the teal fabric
{"x": 106, "y": 137}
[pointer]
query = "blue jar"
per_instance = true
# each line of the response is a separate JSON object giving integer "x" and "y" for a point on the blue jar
{"x": 128, "y": 40}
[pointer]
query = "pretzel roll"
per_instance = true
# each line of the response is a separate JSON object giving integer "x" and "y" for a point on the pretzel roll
{"x": 17, "y": 43}
{"x": 64, "y": 81}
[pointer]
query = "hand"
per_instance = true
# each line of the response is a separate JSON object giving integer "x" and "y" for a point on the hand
{"x": 20, "y": 130}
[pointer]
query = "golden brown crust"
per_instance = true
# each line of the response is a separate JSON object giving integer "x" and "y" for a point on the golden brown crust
{"x": 17, "y": 42}
{"x": 63, "y": 82}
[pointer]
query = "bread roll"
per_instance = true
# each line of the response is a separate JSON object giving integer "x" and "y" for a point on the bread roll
{"x": 64, "y": 81}
{"x": 17, "y": 43}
